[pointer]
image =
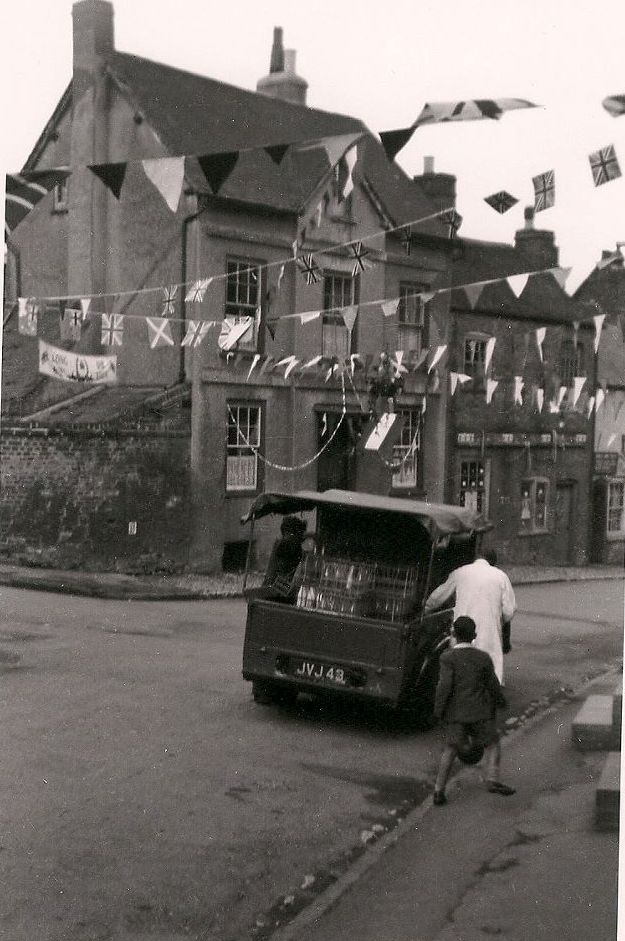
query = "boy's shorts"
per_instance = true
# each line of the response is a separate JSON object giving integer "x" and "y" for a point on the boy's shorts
{"x": 483, "y": 733}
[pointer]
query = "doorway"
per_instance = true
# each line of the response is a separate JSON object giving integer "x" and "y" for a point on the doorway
{"x": 336, "y": 467}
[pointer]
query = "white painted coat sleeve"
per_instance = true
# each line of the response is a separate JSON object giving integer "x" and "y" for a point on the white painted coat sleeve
{"x": 508, "y": 601}
{"x": 441, "y": 594}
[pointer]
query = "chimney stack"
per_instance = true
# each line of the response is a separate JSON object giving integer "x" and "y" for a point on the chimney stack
{"x": 440, "y": 187}
{"x": 536, "y": 245}
{"x": 93, "y": 35}
{"x": 282, "y": 81}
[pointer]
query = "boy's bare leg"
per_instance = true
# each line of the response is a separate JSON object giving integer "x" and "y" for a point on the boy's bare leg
{"x": 493, "y": 761}
{"x": 444, "y": 768}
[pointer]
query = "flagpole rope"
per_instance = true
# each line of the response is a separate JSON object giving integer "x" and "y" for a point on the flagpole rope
{"x": 315, "y": 457}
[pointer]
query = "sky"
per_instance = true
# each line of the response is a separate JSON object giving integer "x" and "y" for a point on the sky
{"x": 381, "y": 62}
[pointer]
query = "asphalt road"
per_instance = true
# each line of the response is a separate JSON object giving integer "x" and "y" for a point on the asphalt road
{"x": 145, "y": 795}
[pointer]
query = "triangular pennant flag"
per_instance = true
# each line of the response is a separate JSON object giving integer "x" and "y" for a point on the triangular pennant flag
{"x": 27, "y": 317}
{"x": 610, "y": 441}
{"x": 312, "y": 362}
{"x": 280, "y": 277}
{"x": 453, "y": 379}
{"x": 324, "y": 424}
{"x": 599, "y": 398}
{"x": 290, "y": 367}
{"x": 473, "y": 292}
{"x": 421, "y": 358}
{"x": 561, "y": 276}
{"x": 196, "y": 331}
{"x": 517, "y": 283}
{"x": 270, "y": 327}
{"x": 540, "y": 398}
{"x": 540, "y": 339}
{"x": 437, "y": 356}
{"x": 266, "y": 365}
{"x": 111, "y": 174}
{"x": 590, "y": 405}
{"x": 426, "y": 296}
{"x": 253, "y": 366}
{"x": 217, "y": 168}
{"x": 397, "y": 363}
{"x": 518, "y": 388}
{"x": 598, "y": 320}
{"x": 476, "y": 109}
{"x": 394, "y": 141}
{"x": 488, "y": 353}
{"x": 277, "y": 152}
{"x": 453, "y": 221}
{"x": 112, "y": 330}
{"x": 561, "y": 393}
{"x": 389, "y": 308}
{"x": 351, "y": 158}
{"x": 167, "y": 175}
{"x": 501, "y": 202}
{"x": 349, "y": 315}
{"x": 544, "y": 190}
{"x": 309, "y": 315}
{"x": 604, "y": 165}
{"x": 335, "y": 146}
{"x": 462, "y": 378}
{"x": 195, "y": 294}
{"x": 578, "y": 385}
{"x": 85, "y": 304}
{"x": 491, "y": 385}
{"x": 159, "y": 332}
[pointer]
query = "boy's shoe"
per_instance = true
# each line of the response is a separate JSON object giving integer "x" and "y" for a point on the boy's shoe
{"x": 439, "y": 798}
{"x": 496, "y": 787}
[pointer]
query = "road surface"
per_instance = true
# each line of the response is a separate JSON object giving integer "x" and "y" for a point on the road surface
{"x": 144, "y": 793}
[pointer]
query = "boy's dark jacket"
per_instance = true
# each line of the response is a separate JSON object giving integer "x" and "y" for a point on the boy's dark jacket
{"x": 468, "y": 689}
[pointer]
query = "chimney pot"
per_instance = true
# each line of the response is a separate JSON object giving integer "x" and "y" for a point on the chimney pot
{"x": 428, "y": 164}
{"x": 529, "y": 217}
{"x": 289, "y": 60}
{"x": 276, "y": 63}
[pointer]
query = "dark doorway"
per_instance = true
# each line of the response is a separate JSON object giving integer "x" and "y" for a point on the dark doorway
{"x": 336, "y": 467}
{"x": 563, "y": 520}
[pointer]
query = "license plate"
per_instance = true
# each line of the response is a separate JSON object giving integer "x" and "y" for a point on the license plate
{"x": 320, "y": 672}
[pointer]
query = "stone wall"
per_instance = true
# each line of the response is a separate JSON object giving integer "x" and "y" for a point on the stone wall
{"x": 69, "y": 495}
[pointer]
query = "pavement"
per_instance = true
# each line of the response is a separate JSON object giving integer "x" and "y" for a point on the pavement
{"x": 528, "y": 866}
{"x": 197, "y": 587}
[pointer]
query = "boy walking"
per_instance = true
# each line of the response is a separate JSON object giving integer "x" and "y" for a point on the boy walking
{"x": 467, "y": 696}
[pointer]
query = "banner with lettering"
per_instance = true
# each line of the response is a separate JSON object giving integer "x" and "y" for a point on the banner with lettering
{"x": 76, "y": 367}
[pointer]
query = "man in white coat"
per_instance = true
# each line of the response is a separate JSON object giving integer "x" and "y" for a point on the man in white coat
{"x": 484, "y": 593}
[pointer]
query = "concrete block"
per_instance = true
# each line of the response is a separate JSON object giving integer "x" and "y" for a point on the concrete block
{"x": 593, "y": 726}
{"x": 608, "y": 793}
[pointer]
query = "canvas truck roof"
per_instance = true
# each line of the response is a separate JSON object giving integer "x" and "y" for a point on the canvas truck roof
{"x": 439, "y": 519}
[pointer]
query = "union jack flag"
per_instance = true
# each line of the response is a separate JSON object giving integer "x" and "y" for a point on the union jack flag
{"x": 544, "y": 190}
{"x": 196, "y": 331}
{"x": 453, "y": 221}
{"x": 406, "y": 239}
{"x": 502, "y": 201}
{"x": 112, "y": 329}
{"x": 197, "y": 290}
{"x": 604, "y": 165}
{"x": 71, "y": 323}
{"x": 360, "y": 258}
{"x": 27, "y": 317}
{"x": 169, "y": 300}
{"x": 308, "y": 266}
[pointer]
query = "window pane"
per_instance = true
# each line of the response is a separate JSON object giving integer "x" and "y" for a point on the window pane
{"x": 243, "y": 437}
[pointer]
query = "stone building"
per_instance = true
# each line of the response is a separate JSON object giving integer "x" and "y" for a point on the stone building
{"x": 239, "y": 429}
{"x": 525, "y": 458}
{"x": 603, "y": 293}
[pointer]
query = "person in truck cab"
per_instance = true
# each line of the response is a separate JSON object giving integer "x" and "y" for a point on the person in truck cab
{"x": 286, "y": 555}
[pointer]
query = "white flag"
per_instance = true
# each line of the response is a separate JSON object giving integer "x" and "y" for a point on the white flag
{"x": 196, "y": 331}
{"x": 518, "y": 388}
{"x": 488, "y": 355}
{"x": 561, "y": 275}
{"x": 599, "y": 397}
{"x": 167, "y": 175}
{"x": 517, "y": 283}
{"x": 350, "y": 159}
{"x": 473, "y": 292}
{"x": 85, "y": 303}
{"x": 389, "y": 308}
{"x": 540, "y": 398}
{"x": 309, "y": 315}
{"x": 540, "y": 339}
{"x": 437, "y": 355}
{"x": 491, "y": 385}
{"x": 453, "y": 380}
{"x": 196, "y": 292}
{"x": 598, "y": 319}
{"x": 578, "y": 385}
{"x": 254, "y": 362}
{"x": 561, "y": 394}
{"x": 591, "y": 405}
{"x": 349, "y": 315}
{"x": 611, "y": 441}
